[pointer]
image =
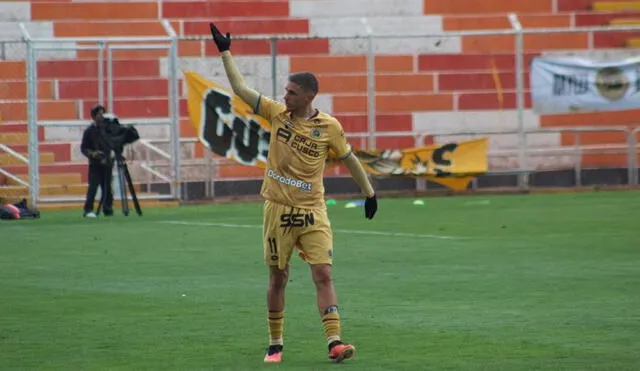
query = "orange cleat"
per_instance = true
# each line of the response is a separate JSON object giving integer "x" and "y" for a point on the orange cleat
{"x": 274, "y": 354}
{"x": 340, "y": 352}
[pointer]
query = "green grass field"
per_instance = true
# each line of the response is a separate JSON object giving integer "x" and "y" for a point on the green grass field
{"x": 538, "y": 282}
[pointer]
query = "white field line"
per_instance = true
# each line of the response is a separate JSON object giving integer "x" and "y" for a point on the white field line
{"x": 349, "y": 231}
{"x": 536, "y": 236}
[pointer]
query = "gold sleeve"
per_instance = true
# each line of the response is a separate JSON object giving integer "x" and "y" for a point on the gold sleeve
{"x": 359, "y": 174}
{"x": 239, "y": 86}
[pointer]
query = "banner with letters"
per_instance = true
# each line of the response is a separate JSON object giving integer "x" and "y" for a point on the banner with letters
{"x": 227, "y": 126}
{"x": 575, "y": 84}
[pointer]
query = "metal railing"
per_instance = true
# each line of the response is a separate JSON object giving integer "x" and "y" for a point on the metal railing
{"x": 21, "y": 158}
{"x": 102, "y": 45}
{"x": 149, "y": 149}
{"x": 629, "y": 148}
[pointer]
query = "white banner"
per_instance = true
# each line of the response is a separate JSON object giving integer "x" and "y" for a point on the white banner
{"x": 572, "y": 84}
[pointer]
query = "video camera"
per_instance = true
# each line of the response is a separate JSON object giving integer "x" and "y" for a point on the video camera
{"x": 114, "y": 136}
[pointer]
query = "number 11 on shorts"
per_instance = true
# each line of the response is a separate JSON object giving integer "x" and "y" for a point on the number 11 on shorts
{"x": 273, "y": 248}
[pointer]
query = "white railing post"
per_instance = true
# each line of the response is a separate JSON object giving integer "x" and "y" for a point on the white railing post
{"x": 371, "y": 85}
{"x": 523, "y": 178}
{"x": 273, "y": 50}
{"x": 32, "y": 116}
{"x": 174, "y": 115}
{"x": 101, "y": 46}
{"x": 110, "y": 97}
{"x": 174, "y": 110}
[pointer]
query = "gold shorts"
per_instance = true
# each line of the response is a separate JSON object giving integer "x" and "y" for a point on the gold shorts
{"x": 286, "y": 228}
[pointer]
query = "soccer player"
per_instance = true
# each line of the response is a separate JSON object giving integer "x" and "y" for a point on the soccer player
{"x": 295, "y": 214}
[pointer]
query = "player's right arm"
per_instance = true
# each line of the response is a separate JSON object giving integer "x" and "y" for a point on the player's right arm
{"x": 239, "y": 86}
{"x": 261, "y": 105}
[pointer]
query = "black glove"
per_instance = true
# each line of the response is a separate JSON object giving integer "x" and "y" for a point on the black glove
{"x": 223, "y": 43}
{"x": 370, "y": 207}
{"x": 98, "y": 155}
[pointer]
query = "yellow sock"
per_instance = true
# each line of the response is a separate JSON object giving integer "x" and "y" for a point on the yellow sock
{"x": 276, "y": 328}
{"x": 331, "y": 324}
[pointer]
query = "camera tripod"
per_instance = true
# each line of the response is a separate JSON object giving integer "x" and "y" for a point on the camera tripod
{"x": 124, "y": 181}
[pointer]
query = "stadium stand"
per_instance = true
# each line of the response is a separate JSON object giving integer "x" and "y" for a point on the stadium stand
{"x": 453, "y": 83}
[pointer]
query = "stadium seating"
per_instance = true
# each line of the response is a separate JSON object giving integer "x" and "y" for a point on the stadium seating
{"x": 422, "y": 84}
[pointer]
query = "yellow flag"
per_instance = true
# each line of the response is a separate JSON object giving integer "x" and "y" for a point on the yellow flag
{"x": 453, "y": 165}
{"x": 225, "y": 123}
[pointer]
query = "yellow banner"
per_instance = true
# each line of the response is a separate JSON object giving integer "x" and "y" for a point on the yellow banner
{"x": 453, "y": 165}
{"x": 228, "y": 127}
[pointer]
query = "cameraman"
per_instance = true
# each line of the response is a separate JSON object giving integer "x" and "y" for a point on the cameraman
{"x": 96, "y": 148}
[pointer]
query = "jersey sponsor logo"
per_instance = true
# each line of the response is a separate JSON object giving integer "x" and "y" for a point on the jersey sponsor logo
{"x": 297, "y": 183}
{"x": 300, "y": 143}
{"x": 283, "y": 135}
{"x": 297, "y": 220}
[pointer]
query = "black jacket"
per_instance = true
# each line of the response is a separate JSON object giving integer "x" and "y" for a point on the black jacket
{"x": 92, "y": 140}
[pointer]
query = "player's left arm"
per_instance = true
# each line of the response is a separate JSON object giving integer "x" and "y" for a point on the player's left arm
{"x": 359, "y": 174}
{"x": 338, "y": 143}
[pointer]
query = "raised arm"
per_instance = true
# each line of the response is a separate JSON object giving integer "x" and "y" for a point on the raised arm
{"x": 239, "y": 86}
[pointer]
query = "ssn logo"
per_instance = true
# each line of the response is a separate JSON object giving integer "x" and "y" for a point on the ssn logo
{"x": 296, "y": 220}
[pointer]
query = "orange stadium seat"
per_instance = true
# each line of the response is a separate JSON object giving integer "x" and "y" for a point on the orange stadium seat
{"x": 94, "y": 10}
{"x": 496, "y": 22}
{"x": 56, "y": 69}
{"x": 8, "y": 128}
{"x": 12, "y": 70}
{"x": 387, "y": 122}
{"x": 47, "y": 110}
{"x": 17, "y": 90}
{"x": 283, "y": 47}
{"x": 248, "y": 26}
{"x": 61, "y": 151}
{"x": 357, "y": 83}
{"x": 80, "y": 28}
{"x": 535, "y": 42}
{"x": 486, "y": 7}
{"x": 135, "y": 87}
{"x": 394, "y": 102}
{"x": 230, "y": 9}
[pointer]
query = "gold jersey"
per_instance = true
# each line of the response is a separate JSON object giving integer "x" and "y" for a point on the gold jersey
{"x": 298, "y": 149}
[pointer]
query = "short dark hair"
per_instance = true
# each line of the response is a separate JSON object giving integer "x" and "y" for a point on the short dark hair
{"x": 96, "y": 110}
{"x": 306, "y": 80}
